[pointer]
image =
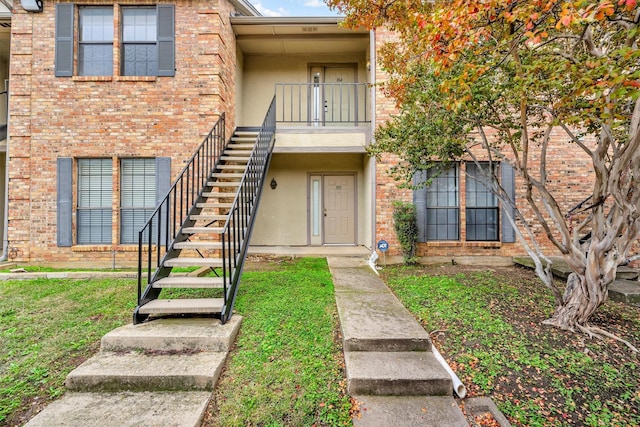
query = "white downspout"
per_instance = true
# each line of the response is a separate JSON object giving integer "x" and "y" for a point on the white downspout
{"x": 372, "y": 96}
{"x": 458, "y": 387}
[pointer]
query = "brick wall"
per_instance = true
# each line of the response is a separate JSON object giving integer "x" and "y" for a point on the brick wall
{"x": 569, "y": 178}
{"x": 111, "y": 117}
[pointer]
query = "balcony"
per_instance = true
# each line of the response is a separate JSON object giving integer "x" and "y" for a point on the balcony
{"x": 322, "y": 104}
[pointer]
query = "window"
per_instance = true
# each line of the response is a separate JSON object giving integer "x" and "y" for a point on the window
{"x": 442, "y": 205}
{"x": 137, "y": 196}
{"x": 482, "y": 204}
{"x": 139, "y": 36}
{"x": 438, "y": 208}
{"x": 147, "y": 44}
{"x": 94, "y": 201}
{"x": 95, "y": 53}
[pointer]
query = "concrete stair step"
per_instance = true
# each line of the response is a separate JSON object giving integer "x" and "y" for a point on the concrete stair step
{"x": 235, "y": 159}
{"x": 378, "y": 322}
{"x": 202, "y": 230}
{"x": 218, "y": 184}
{"x": 183, "y": 306}
{"x": 561, "y": 269}
{"x": 396, "y": 374}
{"x": 239, "y": 144}
{"x": 625, "y": 291}
{"x": 176, "y": 409}
{"x": 194, "y": 262}
{"x": 198, "y": 245}
{"x": 135, "y": 371}
{"x": 229, "y": 175}
{"x": 231, "y": 167}
{"x": 173, "y": 335}
{"x": 408, "y": 411}
{"x": 238, "y": 152}
{"x": 214, "y": 205}
{"x": 181, "y": 282}
{"x": 208, "y": 217}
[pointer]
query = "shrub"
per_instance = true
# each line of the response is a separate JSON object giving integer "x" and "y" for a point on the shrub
{"x": 406, "y": 226}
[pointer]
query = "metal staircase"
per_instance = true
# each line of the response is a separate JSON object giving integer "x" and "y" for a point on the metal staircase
{"x": 192, "y": 249}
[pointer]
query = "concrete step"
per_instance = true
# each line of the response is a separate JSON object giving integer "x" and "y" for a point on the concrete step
{"x": 182, "y": 282}
{"x": 231, "y": 167}
{"x": 176, "y": 409}
{"x": 205, "y": 245}
{"x": 208, "y": 217}
{"x": 241, "y": 144}
{"x": 214, "y": 205}
{"x": 625, "y": 291}
{"x": 193, "y": 262}
{"x": 408, "y": 411}
{"x": 182, "y": 306}
{"x": 135, "y": 371}
{"x": 410, "y": 373}
{"x": 219, "y": 184}
{"x": 561, "y": 269}
{"x": 225, "y": 175}
{"x": 173, "y": 335}
{"x": 202, "y": 230}
{"x": 238, "y": 152}
{"x": 376, "y": 321}
{"x": 235, "y": 159}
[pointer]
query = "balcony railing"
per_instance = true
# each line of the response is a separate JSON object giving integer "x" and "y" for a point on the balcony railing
{"x": 322, "y": 104}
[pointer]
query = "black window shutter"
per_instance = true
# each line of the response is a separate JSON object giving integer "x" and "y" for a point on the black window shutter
{"x": 163, "y": 177}
{"x": 163, "y": 184}
{"x": 507, "y": 178}
{"x": 65, "y": 201}
{"x": 166, "y": 40}
{"x": 64, "y": 40}
{"x": 420, "y": 202}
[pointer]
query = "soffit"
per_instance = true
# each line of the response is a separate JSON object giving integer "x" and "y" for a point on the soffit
{"x": 297, "y": 36}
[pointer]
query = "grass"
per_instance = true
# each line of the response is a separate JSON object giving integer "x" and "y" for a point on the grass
{"x": 47, "y": 327}
{"x": 287, "y": 367}
{"x": 488, "y": 326}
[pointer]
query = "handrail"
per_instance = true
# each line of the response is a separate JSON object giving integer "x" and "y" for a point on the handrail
{"x": 239, "y": 224}
{"x": 323, "y": 104}
{"x": 171, "y": 214}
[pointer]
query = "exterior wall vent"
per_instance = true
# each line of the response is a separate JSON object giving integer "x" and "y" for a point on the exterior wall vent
{"x": 309, "y": 29}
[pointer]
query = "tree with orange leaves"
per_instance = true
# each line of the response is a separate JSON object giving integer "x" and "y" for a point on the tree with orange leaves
{"x": 502, "y": 76}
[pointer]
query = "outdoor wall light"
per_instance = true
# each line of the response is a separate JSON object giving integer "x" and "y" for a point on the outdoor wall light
{"x": 273, "y": 184}
{"x": 31, "y": 5}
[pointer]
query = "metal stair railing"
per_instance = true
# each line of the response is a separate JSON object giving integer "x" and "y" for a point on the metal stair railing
{"x": 239, "y": 224}
{"x": 166, "y": 222}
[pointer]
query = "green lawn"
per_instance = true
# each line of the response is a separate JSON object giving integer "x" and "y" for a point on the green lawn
{"x": 487, "y": 324}
{"x": 47, "y": 327}
{"x": 286, "y": 369}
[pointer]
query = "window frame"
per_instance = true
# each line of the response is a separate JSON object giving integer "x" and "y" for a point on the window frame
{"x": 105, "y": 207}
{"x": 149, "y": 193}
{"x": 67, "y": 45}
{"x": 474, "y": 207}
{"x": 82, "y": 42}
{"x": 124, "y": 44}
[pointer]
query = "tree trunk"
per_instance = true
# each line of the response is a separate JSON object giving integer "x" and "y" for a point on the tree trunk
{"x": 582, "y": 297}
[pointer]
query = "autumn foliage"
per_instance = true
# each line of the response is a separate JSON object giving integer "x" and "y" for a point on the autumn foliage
{"x": 504, "y": 75}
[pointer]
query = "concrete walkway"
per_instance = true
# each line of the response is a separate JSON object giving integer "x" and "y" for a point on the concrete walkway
{"x": 390, "y": 367}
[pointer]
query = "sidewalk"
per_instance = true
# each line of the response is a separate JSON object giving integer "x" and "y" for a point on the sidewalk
{"x": 390, "y": 367}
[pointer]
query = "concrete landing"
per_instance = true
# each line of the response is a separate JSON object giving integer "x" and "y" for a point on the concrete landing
{"x": 126, "y": 383}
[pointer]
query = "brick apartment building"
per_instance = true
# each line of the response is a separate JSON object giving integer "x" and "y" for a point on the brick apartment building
{"x": 109, "y": 100}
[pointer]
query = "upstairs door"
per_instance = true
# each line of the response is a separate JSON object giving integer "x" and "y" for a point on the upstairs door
{"x": 339, "y": 209}
{"x": 334, "y": 96}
